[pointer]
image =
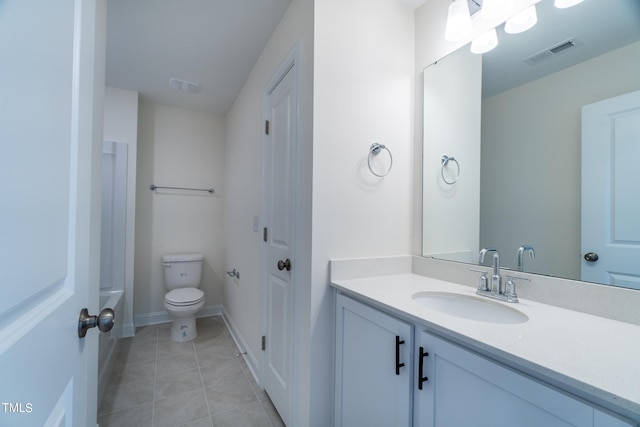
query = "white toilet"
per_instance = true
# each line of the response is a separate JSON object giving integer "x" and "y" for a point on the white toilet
{"x": 182, "y": 273}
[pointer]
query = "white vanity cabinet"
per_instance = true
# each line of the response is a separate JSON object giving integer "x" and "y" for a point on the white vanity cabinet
{"x": 373, "y": 367}
{"x": 390, "y": 372}
{"x": 465, "y": 389}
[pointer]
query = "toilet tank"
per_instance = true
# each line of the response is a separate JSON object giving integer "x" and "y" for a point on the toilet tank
{"x": 182, "y": 270}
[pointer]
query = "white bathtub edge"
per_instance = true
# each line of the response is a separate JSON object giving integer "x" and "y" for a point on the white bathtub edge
{"x": 107, "y": 350}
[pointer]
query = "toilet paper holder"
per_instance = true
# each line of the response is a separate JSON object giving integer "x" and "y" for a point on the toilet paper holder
{"x": 234, "y": 273}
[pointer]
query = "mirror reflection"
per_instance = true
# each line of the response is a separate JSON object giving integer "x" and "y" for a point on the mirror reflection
{"x": 524, "y": 180}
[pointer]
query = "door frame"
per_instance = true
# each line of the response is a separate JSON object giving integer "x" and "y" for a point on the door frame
{"x": 291, "y": 63}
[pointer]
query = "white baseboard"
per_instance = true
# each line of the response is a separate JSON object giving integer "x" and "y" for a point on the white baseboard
{"x": 127, "y": 330}
{"x": 250, "y": 358}
{"x": 158, "y": 317}
{"x": 105, "y": 369}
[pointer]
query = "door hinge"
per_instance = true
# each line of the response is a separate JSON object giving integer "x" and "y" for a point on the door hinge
{"x": 264, "y": 234}
{"x": 264, "y": 343}
{"x": 266, "y": 127}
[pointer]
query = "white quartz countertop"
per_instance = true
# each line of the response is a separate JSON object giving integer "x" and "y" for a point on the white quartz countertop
{"x": 593, "y": 357}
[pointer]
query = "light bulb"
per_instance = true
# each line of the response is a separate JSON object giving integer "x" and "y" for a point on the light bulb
{"x": 522, "y": 21}
{"x": 563, "y": 4}
{"x": 458, "y": 21}
{"x": 485, "y": 42}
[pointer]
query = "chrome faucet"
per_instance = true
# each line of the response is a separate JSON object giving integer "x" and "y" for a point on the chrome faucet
{"x": 521, "y": 251}
{"x": 496, "y": 280}
{"x": 495, "y": 289}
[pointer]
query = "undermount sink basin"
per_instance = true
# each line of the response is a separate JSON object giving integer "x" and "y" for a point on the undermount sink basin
{"x": 469, "y": 307}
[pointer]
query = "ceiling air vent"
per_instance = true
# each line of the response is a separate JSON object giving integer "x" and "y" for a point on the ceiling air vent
{"x": 552, "y": 51}
{"x": 183, "y": 85}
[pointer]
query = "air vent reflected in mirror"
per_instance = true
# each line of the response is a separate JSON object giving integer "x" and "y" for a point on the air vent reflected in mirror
{"x": 552, "y": 51}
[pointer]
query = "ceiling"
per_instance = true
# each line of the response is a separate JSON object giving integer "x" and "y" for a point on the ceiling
{"x": 213, "y": 43}
{"x": 598, "y": 26}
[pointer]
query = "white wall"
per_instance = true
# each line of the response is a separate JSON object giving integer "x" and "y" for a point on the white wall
{"x": 243, "y": 185}
{"x": 121, "y": 125}
{"x": 358, "y": 80}
{"x": 539, "y": 170}
{"x": 364, "y": 85}
{"x": 121, "y": 115}
{"x": 177, "y": 148}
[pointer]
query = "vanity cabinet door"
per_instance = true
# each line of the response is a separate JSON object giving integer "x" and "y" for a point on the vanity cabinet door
{"x": 466, "y": 389}
{"x": 373, "y": 367}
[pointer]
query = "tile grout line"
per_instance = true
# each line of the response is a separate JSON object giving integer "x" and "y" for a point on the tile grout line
{"x": 265, "y": 412}
{"x": 206, "y": 398}
{"x": 248, "y": 376}
{"x": 155, "y": 380}
{"x": 111, "y": 384}
{"x": 230, "y": 344}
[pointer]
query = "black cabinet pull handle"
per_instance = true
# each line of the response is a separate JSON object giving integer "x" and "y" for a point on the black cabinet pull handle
{"x": 421, "y": 378}
{"x": 398, "y": 364}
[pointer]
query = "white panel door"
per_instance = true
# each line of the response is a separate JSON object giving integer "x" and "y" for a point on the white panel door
{"x": 51, "y": 83}
{"x": 611, "y": 191}
{"x": 279, "y": 215}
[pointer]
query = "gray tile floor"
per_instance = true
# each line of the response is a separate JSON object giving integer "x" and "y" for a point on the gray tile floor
{"x": 156, "y": 382}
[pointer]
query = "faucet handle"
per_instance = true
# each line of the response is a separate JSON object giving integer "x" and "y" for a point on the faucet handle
{"x": 483, "y": 281}
{"x": 511, "y": 276}
{"x": 510, "y": 289}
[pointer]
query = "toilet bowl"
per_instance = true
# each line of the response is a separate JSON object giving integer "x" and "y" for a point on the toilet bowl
{"x": 182, "y": 273}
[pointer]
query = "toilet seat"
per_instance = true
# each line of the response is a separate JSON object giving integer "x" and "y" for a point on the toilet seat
{"x": 184, "y": 297}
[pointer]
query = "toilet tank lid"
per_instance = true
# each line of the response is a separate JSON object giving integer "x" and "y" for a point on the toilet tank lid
{"x": 182, "y": 257}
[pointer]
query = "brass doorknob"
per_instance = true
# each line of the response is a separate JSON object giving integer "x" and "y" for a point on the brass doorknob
{"x": 286, "y": 264}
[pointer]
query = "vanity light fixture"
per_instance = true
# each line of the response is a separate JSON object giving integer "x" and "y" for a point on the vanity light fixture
{"x": 458, "y": 21}
{"x": 492, "y": 9}
{"x": 485, "y": 42}
{"x": 563, "y": 4}
{"x": 522, "y": 21}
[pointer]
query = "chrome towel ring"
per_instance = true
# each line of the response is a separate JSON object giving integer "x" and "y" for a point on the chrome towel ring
{"x": 374, "y": 150}
{"x": 445, "y": 162}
